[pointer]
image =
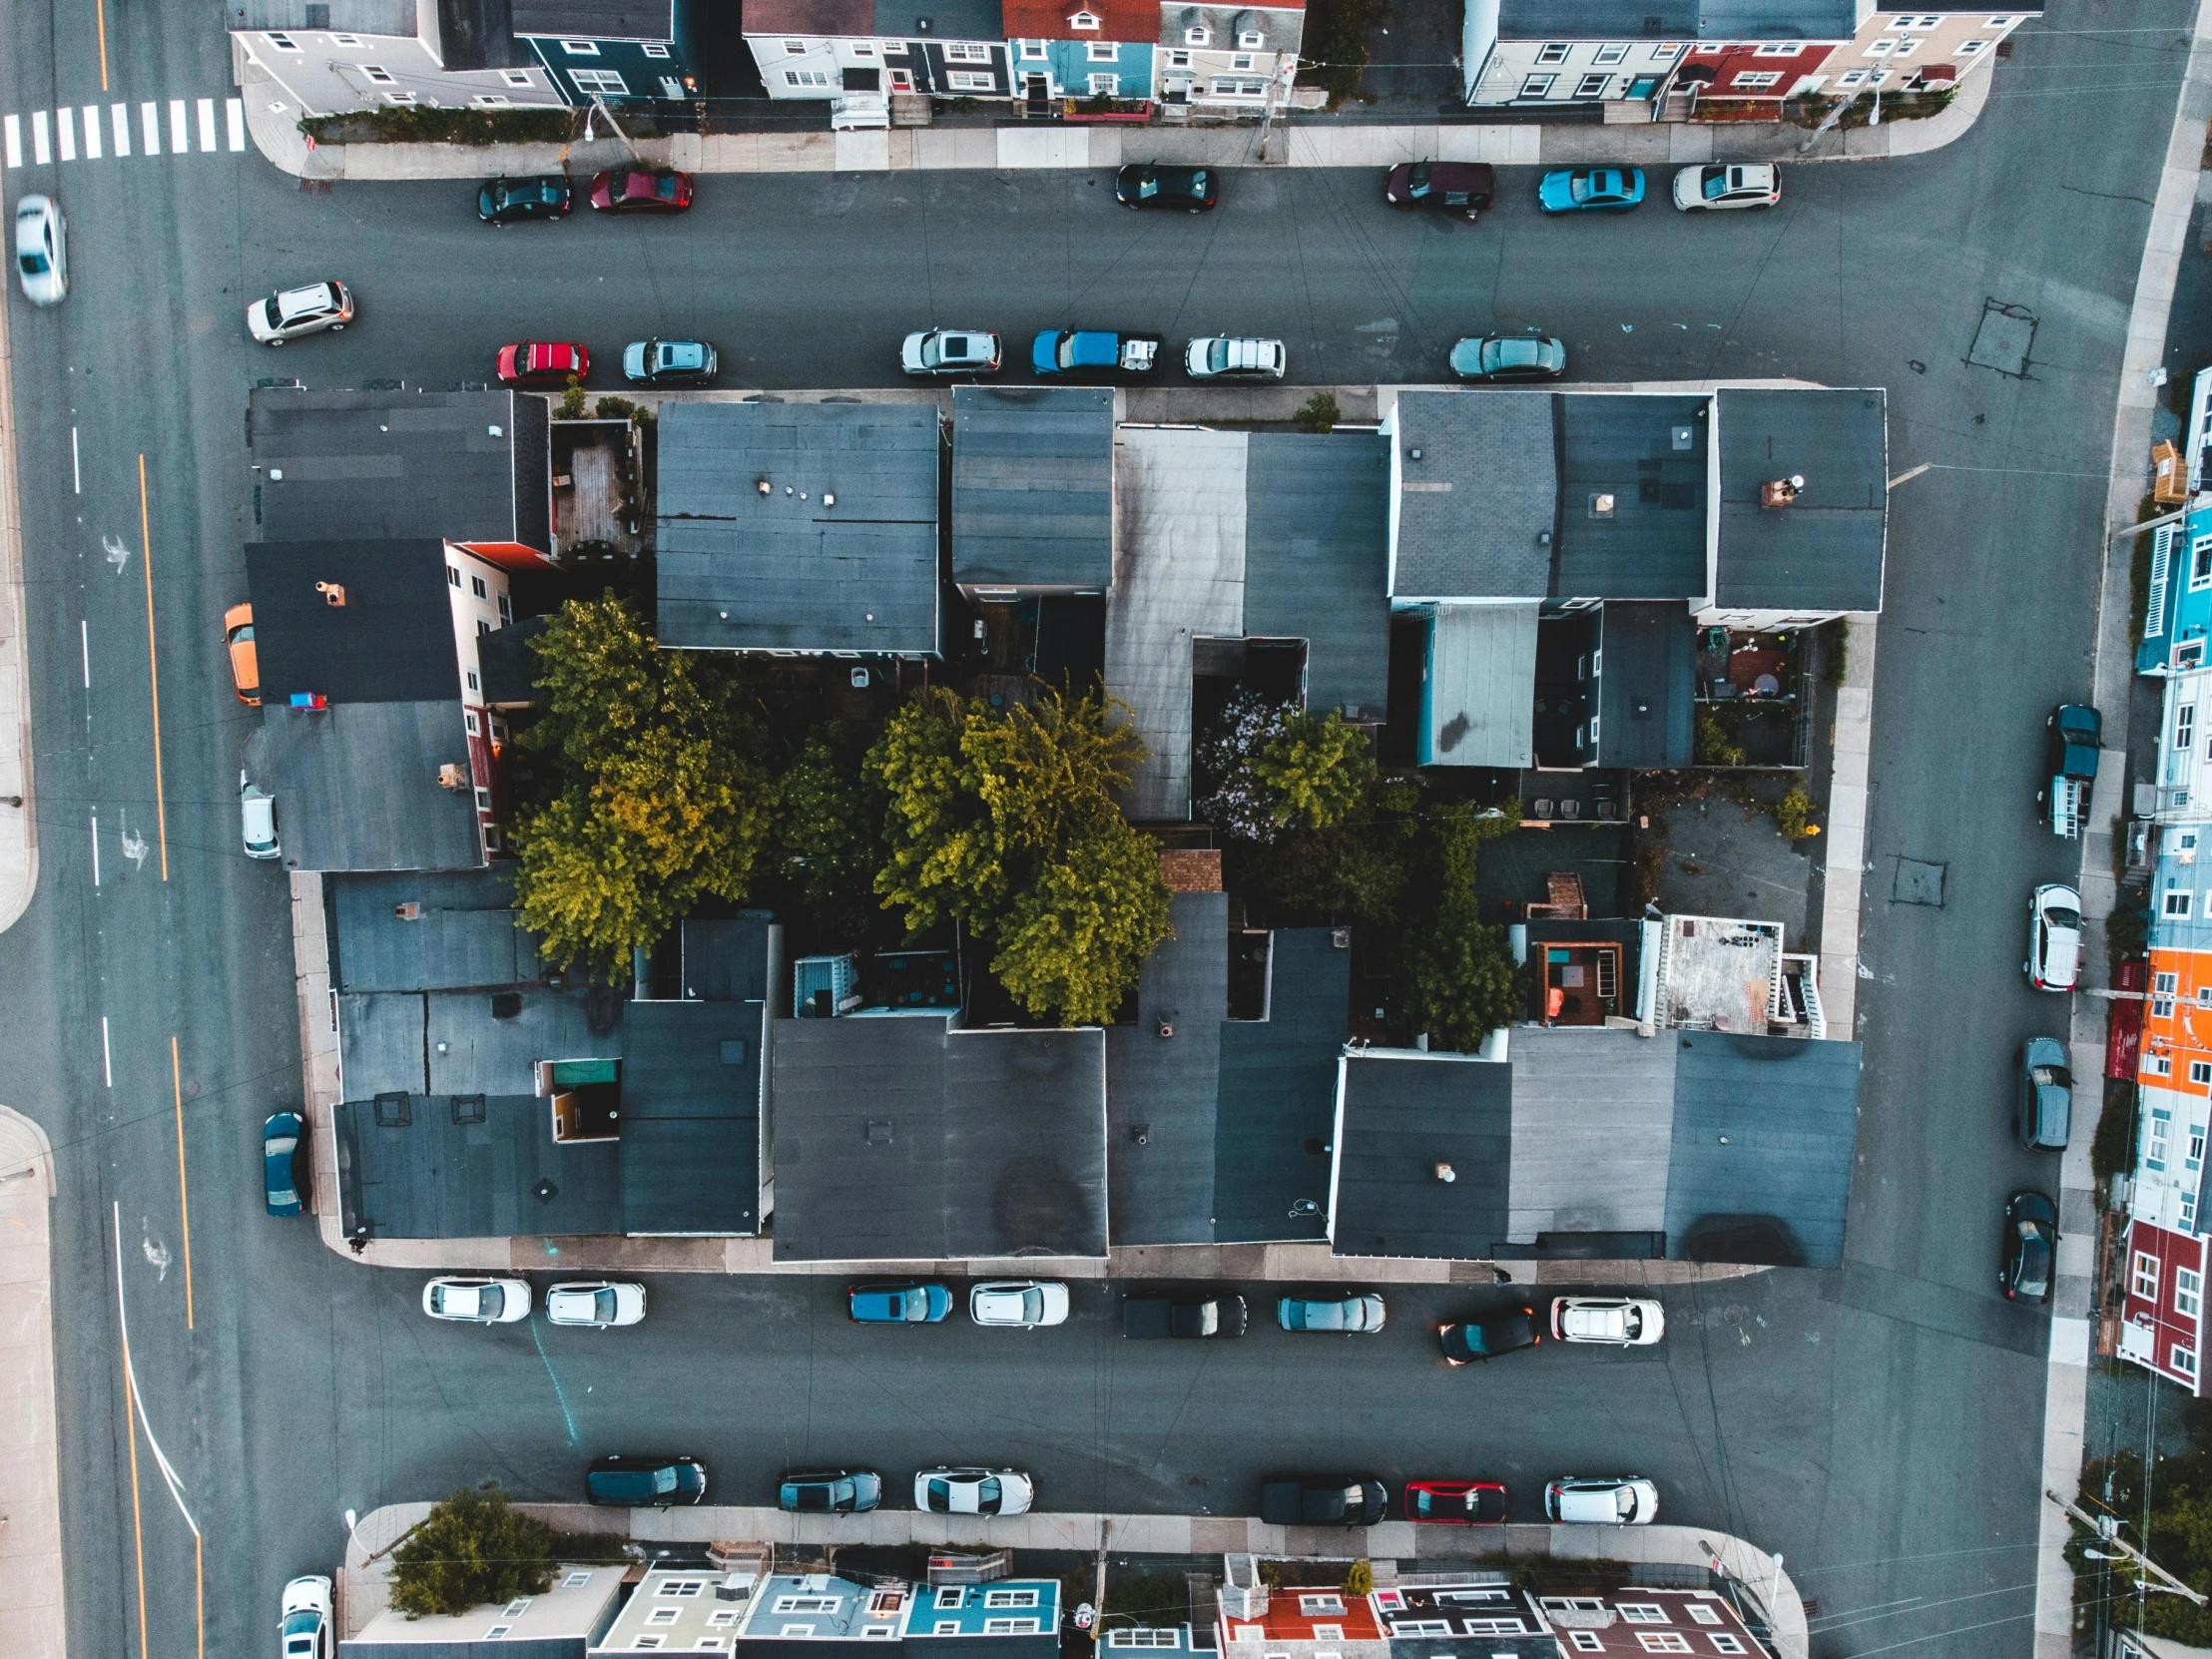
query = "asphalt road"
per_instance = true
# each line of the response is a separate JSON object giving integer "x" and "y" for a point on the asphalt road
{"x": 1878, "y": 1425}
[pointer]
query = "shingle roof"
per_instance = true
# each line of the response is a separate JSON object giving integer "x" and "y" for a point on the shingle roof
{"x": 1593, "y": 1128}
{"x": 444, "y": 1177}
{"x": 1400, "y": 1116}
{"x": 1033, "y": 486}
{"x": 941, "y": 19}
{"x": 1163, "y": 1189}
{"x": 479, "y": 34}
{"x": 1647, "y": 686}
{"x": 462, "y": 933}
{"x": 653, "y": 20}
{"x": 1278, "y": 1095}
{"x": 1127, "y": 20}
{"x": 1825, "y": 551}
{"x": 1485, "y": 489}
{"x": 1647, "y": 455}
{"x": 810, "y": 17}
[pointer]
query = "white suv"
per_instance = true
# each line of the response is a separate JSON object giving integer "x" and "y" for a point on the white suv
{"x": 2054, "y": 938}
{"x": 1737, "y": 184}
{"x": 1224, "y": 358}
{"x": 295, "y": 311}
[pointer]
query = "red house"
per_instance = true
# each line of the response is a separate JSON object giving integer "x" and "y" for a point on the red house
{"x": 2162, "y": 1318}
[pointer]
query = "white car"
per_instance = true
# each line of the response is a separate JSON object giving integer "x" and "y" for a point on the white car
{"x": 950, "y": 352}
{"x": 1606, "y": 1500}
{"x": 257, "y": 820}
{"x": 1224, "y": 358}
{"x": 947, "y": 1492}
{"x": 478, "y": 1300}
{"x": 40, "y": 250}
{"x": 1736, "y": 185}
{"x": 305, "y": 1630}
{"x": 1619, "y": 1321}
{"x": 597, "y": 1303}
{"x": 2054, "y": 938}
{"x": 295, "y": 312}
{"x": 1026, "y": 1303}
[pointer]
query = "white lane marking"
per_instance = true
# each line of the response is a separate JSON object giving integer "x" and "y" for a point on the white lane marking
{"x": 122, "y": 123}
{"x": 11, "y": 131}
{"x": 180, "y": 128}
{"x": 150, "y": 127}
{"x": 84, "y": 646}
{"x": 91, "y": 132}
{"x": 42, "y": 149}
{"x": 96, "y": 849}
{"x": 65, "y": 132}
{"x": 207, "y": 123}
{"x": 234, "y": 109}
{"x": 76, "y": 472}
{"x": 107, "y": 1055}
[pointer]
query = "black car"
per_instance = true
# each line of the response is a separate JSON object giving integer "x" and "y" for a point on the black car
{"x": 1323, "y": 1501}
{"x": 645, "y": 1480}
{"x": 504, "y": 201}
{"x": 1193, "y": 189}
{"x": 1183, "y": 1315}
{"x": 1485, "y": 1339}
{"x": 2030, "y": 1247}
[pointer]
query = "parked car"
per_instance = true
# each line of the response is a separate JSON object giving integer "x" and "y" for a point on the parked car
{"x": 1193, "y": 189}
{"x": 291, "y": 313}
{"x": 829, "y": 1492}
{"x": 1361, "y": 1312}
{"x": 663, "y": 362}
{"x": 950, "y": 352}
{"x": 478, "y": 1300}
{"x": 237, "y": 645}
{"x": 1608, "y": 1499}
{"x": 1499, "y": 357}
{"x": 950, "y": 1491}
{"x": 597, "y": 1303}
{"x": 1584, "y": 190}
{"x": 540, "y": 363}
{"x": 2053, "y": 937}
{"x": 2030, "y": 1247}
{"x": 637, "y": 190}
{"x": 1617, "y": 1321}
{"x": 645, "y": 1480}
{"x": 285, "y": 1164}
{"x": 1022, "y": 1302}
{"x": 257, "y": 820}
{"x": 304, "y": 1625}
{"x": 2073, "y": 736}
{"x": 508, "y": 200}
{"x": 1487, "y": 1338}
{"x": 1449, "y": 186}
{"x": 1172, "y": 1316}
{"x": 1456, "y": 1502}
{"x": 1094, "y": 355}
{"x": 904, "y": 1303}
{"x": 1323, "y": 1501}
{"x": 2042, "y": 1108}
{"x": 40, "y": 250}
{"x": 1735, "y": 184}
{"x": 1224, "y": 358}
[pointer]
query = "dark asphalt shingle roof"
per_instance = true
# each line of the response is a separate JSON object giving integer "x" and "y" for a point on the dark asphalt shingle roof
{"x": 464, "y": 934}
{"x": 356, "y": 785}
{"x": 1653, "y": 544}
{"x": 1163, "y": 1191}
{"x": 1719, "y": 20}
{"x": 365, "y": 17}
{"x": 726, "y": 961}
{"x": 1277, "y": 1103}
{"x": 941, "y": 19}
{"x": 1317, "y": 556}
{"x": 597, "y": 19}
{"x": 508, "y": 663}
{"x": 1485, "y": 489}
{"x": 784, "y": 571}
{"x": 479, "y": 34}
{"x": 1825, "y": 551}
{"x": 1646, "y": 684}
{"x": 1400, "y": 1117}
{"x": 391, "y": 642}
{"x": 1033, "y": 486}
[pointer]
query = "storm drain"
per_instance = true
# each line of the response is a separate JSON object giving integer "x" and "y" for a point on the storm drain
{"x": 1917, "y": 883}
{"x": 2004, "y": 339}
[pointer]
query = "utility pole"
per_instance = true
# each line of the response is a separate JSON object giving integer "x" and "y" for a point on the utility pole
{"x": 2107, "y": 1528}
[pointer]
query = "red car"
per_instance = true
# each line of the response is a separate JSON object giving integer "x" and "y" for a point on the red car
{"x": 1456, "y": 1502}
{"x": 537, "y": 363}
{"x": 629, "y": 189}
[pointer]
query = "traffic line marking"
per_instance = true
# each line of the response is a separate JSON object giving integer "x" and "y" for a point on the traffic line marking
{"x": 122, "y": 124}
{"x": 207, "y": 123}
{"x": 65, "y": 132}
{"x": 42, "y": 147}
{"x": 91, "y": 132}
{"x": 233, "y": 111}
{"x": 153, "y": 667}
{"x": 179, "y": 129}
{"x": 184, "y": 1193}
{"x": 11, "y": 134}
{"x": 150, "y": 124}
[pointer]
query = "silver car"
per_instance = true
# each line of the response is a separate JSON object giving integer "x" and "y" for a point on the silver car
{"x": 1361, "y": 1312}
{"x": 292, "y": 312}
{"x": 1224, "y": 358}
{"x": 40, "y": 250}
{"x": 936, "y": 352}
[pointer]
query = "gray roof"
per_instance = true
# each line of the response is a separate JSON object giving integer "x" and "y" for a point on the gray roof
{"x": 1730, "y": 20}
{"x": 391, "y": 642}
{"x": 509, "y": 662}
{"x": 1033, "y": 486}
{"x": 535, "y": 1647}
{"x": 1316, "y": 516}
{"x": 653, "y": 20}
{"x": 788, "y": 570}
{"x": 1593, "y": 1127}
{"x": 727, "y": 960}
{"x": 1485, "y": 489}
{"x": 356, "y": 785}
{"x": 479, "y": 34}
{"x": 897, "y": 1138}
{"x": 1479, "y": 701}
{"x": 438, "y": 1177}
{"x": 463, "y": 934}
{"x": 943, "y": 19}
{"x": 1163, "y": 1191}
{"x": 1825, "y": 551}
{"x": 1281, "y": 27}
{"x": 691, "y": 1117}
{"x": 1648, "y": 455}
{"x": 1277, "y": 1102}
{"x": 360, "y": 17}
{"x": 1400, "y": 1115}
{"x": 384, "y": 465}
{"x": 1647, "y": 685}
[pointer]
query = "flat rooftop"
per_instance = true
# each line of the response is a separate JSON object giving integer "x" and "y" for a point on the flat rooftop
{"x": 1825, "y": 551}
{"x": 1033, "y": 486}
{"x": 1715, "y": 974}
{"x": 1632, "y": 497}
{"x": 1477, "y": 494}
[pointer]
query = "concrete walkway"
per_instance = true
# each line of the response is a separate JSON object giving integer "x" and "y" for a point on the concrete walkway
{"x": 31, "y": 1604}
{"x": 368, "y": 1550}
{"x": 18, "y": 822}
{"x": 1844, "y": 842}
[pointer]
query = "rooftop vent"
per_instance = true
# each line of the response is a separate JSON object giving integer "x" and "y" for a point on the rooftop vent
{"x": 409, "y": 912}
{"x": 1781, "y": 492}
{"x": 451, "y": 777}
{"x": 334, "y": 593}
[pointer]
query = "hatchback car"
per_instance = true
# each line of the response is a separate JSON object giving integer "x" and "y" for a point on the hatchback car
{"x": 509, "y": 201}
{"x": 950, "y": 1491}
{"x": 1496, "y": 357}
{"x": 1360, "y": 1312}
{"x": 1224, "y": 358}
{"x": 285, "y": 1164}
{"x": 478, "y": 1300}
{"x": 257, "y": 820}
{"x": 637, "y": 190}
{"x": 2030, "y": 1247}
{"x": 1609, "y": 1500}
{"x": 238, "y": 643}
{"x": 1737, "y": 184}
{"x": 950, "y": 352}
{"x": 40, "y": 250}
{"x": 1093, "y": 354}
{"x": 303, "y": 1627}
{"x": 292, "y": 312}
{"x": 1487, "y": 1338}
{"x": 1449, "y": 186}
{"x": 645, "y": 1480}
{"x": 2054, "y": 938}
{"x": 829, "y": 1492}
{"x": 667, "y": 362}
{"x": 897, "y": 1303}
{"x": 541, "y": 363}
{"x": 1456, "y": 1502}
{"x": 1024, "y": 1302}
{"x": 2042, "y": 1109}
{"x": 1584, "y": 190}
{"x": 1193, "y": 189}
{"x": 1613, "y": 1320}
{"x": 596, "y": 1304}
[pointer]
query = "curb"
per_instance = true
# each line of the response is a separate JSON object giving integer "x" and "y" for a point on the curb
{"x": 18, "y": 825}
{"x": 33, "y": 1567}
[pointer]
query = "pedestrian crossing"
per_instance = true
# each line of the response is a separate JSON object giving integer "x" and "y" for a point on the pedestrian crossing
{"x": 91, "y": 132}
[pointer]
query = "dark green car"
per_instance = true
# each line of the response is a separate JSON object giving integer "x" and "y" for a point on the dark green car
{"x": 645, "y": 1480}
{"x": 1499, "y": 357}
{"x": 504, "y": 201}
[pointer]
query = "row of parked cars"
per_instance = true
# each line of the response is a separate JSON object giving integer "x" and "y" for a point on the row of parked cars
{"x": 1363, "y": 1500}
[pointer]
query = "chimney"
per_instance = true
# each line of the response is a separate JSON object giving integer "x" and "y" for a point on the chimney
{"x": 451, "y": 777}
{"x": 1781, "y": 492}
{"x": 409, "y": 912}
{"x": 334, "y": 593}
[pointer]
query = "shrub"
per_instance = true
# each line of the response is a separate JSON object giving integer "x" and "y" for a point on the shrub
{"x": 1714, "y": 747}
{"x": 472, "y": 1549}
{"x": 1318, "y": 413}
{"x": 422, "y": 124}
{"x": 572, "y": 400}
{"x": 1271, "y": 767}
{"x": 1360, "y": 1581}
{"x": 1794, "y": 812}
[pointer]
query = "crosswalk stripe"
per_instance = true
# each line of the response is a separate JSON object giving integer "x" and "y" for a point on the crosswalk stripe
{"x": 42, "y": 149}
{"x": 11, "y": 133}
{"x": 91, "y": 132}
{"x": 180, "y": 134}
{"x": 65, "y": 132}
{"x": 206, "y": 124}
{"x": 122, "y": 115}
{"x": 235, "y": 109}
{"x": 150, "y": 127}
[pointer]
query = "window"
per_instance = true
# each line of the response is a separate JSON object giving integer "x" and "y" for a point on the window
{"x": 2200, "y": 563}
{"x": 497, "y": 1631}
{"x": 1101, "y": 51}
{"x": 2001, "y": 23}
{"x": 1882, "y": 47}
{"x": 1144, "y": 1638}
{"x": 1309, "y": 1606}
{"x": 378, "y": 73}
{"x": 1754, "y": 79}
{"x": 1495, "y": 1627}
{"x": 2200, "y": 1071}
{"x": 1905, "y": 48}
{"x": 2164, "y": 983}
{"x": 968, "y": 80}
{"x": 1926, "y": 20}
{"x": 576, "y": 1581}
{"x": 961, "y": 51}
{"x": 345, "y": 40}
{"x": 1197, "y": 37}
{"x": 952, "y": 1595}
{"x": 1701, "y": 1612}
{"x": 1851, "y": 78}
{"x": 2157, "y": 1065}
{"x": 400, "y": 99}
{"x": 795, "y": 49}
{"x": 1663, "y": 1641}
{"x": 1971, "y": 49}
{"x": 2161, "y": 1127}
{"x": 2185, "y": 725}
{"x": 1332, "y": 1632}
{"x": 1777, "y": 52}
{"x": 1642, "y": 1612}
{"x": 723, "y": 1618}
{"x": 664, "y": 1615}
{"x": 2179, "y": 902}
{"x": 653, "y": 49}
{"x": 1666, "y": 52}
{"x": 1725, "y": 1643}
{"x": 468, "y": 717}
{"x": 1242, "y": 60}
{"x": 1537, "y": 86}
{"x": 2184, "y": 1359}
{"x": 581, "y": 48}
{"x": 1556, "y": 52}
{"x": 515, "y": 1609}
{"x": 506, "y": 610}
{"x": 2188, "y": 1292}
{"x": 1587, "y": 1641}
{"x": 603, "y": 81}
{"x": 484, "y": 800}
{"x": 682, "y": 1587}
{"x": 1083, "y": 20}
{"x": 452, "y": 576}
{"x": 1422, "y": 1627}
{"x": 1592, "y": 86}
{"x": 1034, "y": 48}
{"x": 1251, "y": 39}
{"x": 283, "y": 43}
{"x": 646, "y": 1641}
{"x": 1609, "y": 54}
{"x": 807, "y": 1604}
{"x": 1105, "y": 85}
{"x": 1179, "y": 60}
{"x": 475, "y": 585}
{"x": 517, "y": 77}
{"x": 805, "y": 77}
{"x": 1010, "y": 1627}
{"x": 1009, "y": 1598}
{"x": 473, "y": 680}
{"x": 2188, "y": 1212}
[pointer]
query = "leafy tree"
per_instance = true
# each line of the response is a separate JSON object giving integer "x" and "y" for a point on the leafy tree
{"x": 472, "y": 1549}
{"x": 1461, "y": 982}
{"x": 1356, "y": 869}
{"x": 1272, "y": 767}
{"x": 828, "y": 831}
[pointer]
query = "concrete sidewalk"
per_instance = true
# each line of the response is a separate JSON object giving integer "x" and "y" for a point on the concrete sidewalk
{"x": 368, "y": 1550}
{"x": 18, "y": 806}
{"x": 272, "y": 119}
{"x": 31, "y": 1572}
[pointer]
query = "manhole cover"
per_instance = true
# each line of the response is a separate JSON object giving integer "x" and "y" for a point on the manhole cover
{"x": 2003, "y": 340}
{"x": 1919, "y": 883}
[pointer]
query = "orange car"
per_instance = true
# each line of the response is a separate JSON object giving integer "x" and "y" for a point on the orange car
{"x": 246, "y": 668}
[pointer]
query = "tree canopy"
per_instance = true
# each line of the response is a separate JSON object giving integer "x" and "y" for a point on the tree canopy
{"x": 1271, "y": 767}
{"x": 472, "y": 1549}
{"x": 1461, "y": 982}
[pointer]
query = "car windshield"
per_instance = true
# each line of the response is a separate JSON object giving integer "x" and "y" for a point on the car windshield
{"x": 932, "y": 351}
{"x": 665, "y": 187}
{"x": 1198, "y": 183}
{"x": 988, "y": 1490}
{"x": 940, "y": 1493}
{"x": 664, "y": 1478}
{"x": 603, "y": 1304}
{"x": 302, "y": 1623}
{"x": 1583, "y": 186}
{"x": 279, "y": 1146}
{"x": 1032, "y": 1303}
{"x": 1416, "y": 181}
{"x": 488, "y": 1301}
{"x": 2046, "y": 1076}
{"x": 1716, "y": 183}
{"x": 1148, "y": 184}
{"x": 34, "y": 264}
{"x": 2059, "y": 917}
{"x": 1216, "y": 355}
{"x": 1064, "y": 352}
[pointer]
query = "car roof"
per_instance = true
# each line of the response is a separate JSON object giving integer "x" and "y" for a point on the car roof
{"x": 291, "y": 303}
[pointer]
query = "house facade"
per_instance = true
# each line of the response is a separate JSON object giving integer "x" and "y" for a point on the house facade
{"x": 1643, "y": 1619}
{"x": 335, "y": 57}
{"x": 1229, "y": 60}
{"x": 612, "y": 49}
{"x": 1082, "y": 48}
{"x": 1900, "y": 49}
{"x": 860, "y": 51}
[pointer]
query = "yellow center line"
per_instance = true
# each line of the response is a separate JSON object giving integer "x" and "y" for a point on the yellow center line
{"x": 184, "y": 1193}
{"x": 153, "y": 667}
{"x": 138, "y": 1532}
{"x": 100, "y": 11}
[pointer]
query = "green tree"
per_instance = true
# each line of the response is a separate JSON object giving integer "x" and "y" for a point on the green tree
{"x": 472, "y": 1549}
{"x": 1461, "y": 982}
{"x": 1271, "y": 767}
{"x": 1356, "y": 869}
{"x": 829, "y": 837}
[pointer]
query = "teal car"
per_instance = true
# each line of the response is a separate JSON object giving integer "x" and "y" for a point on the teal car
{"x": 660, "y": 362}
{"x": 904, "y": 1303}
{"x": 1585, "y": 189}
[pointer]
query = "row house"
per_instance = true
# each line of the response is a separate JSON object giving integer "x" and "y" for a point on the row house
{"x": 857, "y": 52}
{"x": 1083, "y": 48}
{"x": 1230, "y": 59}
{"x": 617, "y": 50}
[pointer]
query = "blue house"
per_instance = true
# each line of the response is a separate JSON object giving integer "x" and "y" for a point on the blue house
{"x": 1014, "y": 1618}
{"x": 1081, "y": 48}
{"x": 2176, "y": 621}
{"x": 613, "y": 49}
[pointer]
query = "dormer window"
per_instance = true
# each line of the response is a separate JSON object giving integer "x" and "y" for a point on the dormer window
{"x": 1197, "y": 37}
{"x": 1083, "y": 20}
{"x": 1251, "y": 40}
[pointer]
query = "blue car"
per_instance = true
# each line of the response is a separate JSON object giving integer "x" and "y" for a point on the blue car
{"x": 285, "y": 1164}
{"x": 905, "y": 1303}
{"x": 1093, "y": 354}
{"x": 1585, "y": 189}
